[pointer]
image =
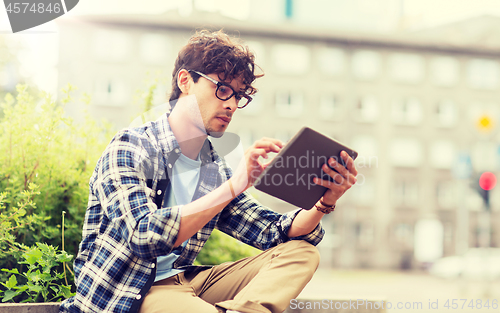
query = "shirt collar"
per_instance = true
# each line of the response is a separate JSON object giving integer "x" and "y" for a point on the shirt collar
{"x": 168, "y": 142}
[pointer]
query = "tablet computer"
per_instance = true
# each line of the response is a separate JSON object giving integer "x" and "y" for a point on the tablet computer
{"x": 289, "y": 176}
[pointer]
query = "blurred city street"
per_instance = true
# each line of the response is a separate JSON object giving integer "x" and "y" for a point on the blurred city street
{"x": 412, "y": 291}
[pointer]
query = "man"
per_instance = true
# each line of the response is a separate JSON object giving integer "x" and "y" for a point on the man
{"x": 159, "y": 190}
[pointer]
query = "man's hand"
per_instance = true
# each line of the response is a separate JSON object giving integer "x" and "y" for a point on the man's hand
{"x": 344, "y": 179}
{"x": 250, "y": 167}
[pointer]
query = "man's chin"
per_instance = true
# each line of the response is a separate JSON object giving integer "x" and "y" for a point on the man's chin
{"x": 215, "y": 134}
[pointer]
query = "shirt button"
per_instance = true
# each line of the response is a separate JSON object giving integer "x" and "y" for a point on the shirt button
{"x": 278, "y": 224}
{"x": 176, "y": 151}
{"x": 169, "y": 165}
{"x": 138, "y": 297}
{"x": 159, "y": 192}
{"x": 153, "y": 265}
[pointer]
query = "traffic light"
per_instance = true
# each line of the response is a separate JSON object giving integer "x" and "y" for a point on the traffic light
{"x": 486, "y": 182}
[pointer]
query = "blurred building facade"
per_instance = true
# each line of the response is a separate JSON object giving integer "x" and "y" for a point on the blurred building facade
{"x": 411, "y": 105}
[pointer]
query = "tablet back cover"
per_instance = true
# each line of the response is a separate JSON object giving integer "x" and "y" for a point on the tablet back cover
{"x": 290, "y": 174}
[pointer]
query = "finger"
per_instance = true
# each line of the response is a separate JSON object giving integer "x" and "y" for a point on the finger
{"x": 334, "y": 164}
{"x": 349, "y": 163}
{"x": 256, "y": 153}
{"x": 268, "y": 145}
{"x": 329, "y": 184}
{"x": 277, "y": 142}
{"x": 339, "y": 179}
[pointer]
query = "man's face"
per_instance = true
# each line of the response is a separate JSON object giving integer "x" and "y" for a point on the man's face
{"x": 216, "y": 114}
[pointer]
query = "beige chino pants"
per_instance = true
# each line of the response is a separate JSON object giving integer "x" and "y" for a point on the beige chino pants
{"x": 264, "y": 283}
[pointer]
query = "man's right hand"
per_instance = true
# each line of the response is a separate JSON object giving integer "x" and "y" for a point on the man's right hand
{"x": 250, "y": 166}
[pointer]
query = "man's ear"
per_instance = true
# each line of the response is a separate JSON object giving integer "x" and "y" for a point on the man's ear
{"x": 184, "y": 81}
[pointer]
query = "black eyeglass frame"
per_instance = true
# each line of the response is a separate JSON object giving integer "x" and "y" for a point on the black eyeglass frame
{"x": 237, "y": 95}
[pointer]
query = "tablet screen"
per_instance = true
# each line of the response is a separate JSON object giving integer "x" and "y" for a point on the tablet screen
{"x": 290, "y": 174}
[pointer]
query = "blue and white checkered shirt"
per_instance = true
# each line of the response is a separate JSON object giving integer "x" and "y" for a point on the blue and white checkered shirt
{"x": 126, "y": 227}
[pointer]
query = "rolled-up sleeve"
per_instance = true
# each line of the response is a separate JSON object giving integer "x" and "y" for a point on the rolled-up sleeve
{"x": 314, "y": 237}
{"x": 252, "y": 223}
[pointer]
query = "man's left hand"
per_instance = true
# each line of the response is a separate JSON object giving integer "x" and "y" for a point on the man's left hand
{"x": 344, "y": 178}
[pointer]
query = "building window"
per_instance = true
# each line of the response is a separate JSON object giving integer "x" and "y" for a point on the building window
{"x": 483, "y": 74}
{"x": 406, "y": 68}
{"x": 154, "y": 48}
{"x": 330, "y": 108}
{"x": 363, "y": 192}
{"x": 289, "y": 104}
{"x": 407, "y": 111}
{"x": 484, "y": 156}
{"x": 259, "y": 51}
{"x": 442, "y": 154}
{"x": 367, "y": 148}
{"x": 111, "y": 92}
{"x": 366, "y": 64}
{"x": 331, "y": 61}
{"x": 405, "y": 193}
{"x": 247, "y": 138}
{"x": 446, "y": 195}
{"x": 403, "y": 235}
{"x": 254, "y": 107}
{"x": 445, "y": 71}
{"x": 111, "y": 45}
{"x": 405, "y": 152}
{"x": 284, "y": 135}
{"x": 446, "y": 113}
{"x": 448, "y": 232}
{"x": 291, "y": 59}
{"x": 365, "y": 232}
{"x": 367, "y": 109}
{"x": 473, "y": 200}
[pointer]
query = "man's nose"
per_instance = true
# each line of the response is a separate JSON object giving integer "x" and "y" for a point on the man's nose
{"x": 232, "y": 104}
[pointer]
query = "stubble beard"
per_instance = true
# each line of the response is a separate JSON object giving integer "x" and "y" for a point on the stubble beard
{"x": 213, "y": 133}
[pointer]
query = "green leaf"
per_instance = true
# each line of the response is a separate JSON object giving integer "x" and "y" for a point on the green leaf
{"x": 45, "y": 277}
{"x": 9, "y": 295}
{"x": 12, "y": 271}
{"x": 32, "y": 256}
{"x": 12, "y": 282}
{"x": 30, "y": 299}
{"x": 33, "y": 276}
{"x": 64, "y": 257}
{"x": 66, "y": 292}
{"x": 35, "y": 288}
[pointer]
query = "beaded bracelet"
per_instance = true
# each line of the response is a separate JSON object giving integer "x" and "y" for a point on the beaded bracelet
{"x": 325, "y": 209}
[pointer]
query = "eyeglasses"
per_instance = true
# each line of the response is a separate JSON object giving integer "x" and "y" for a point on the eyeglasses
{"x": 224, "y": 92}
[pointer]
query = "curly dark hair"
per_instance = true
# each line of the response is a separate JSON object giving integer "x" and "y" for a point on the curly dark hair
{"x": 216, "y": 53}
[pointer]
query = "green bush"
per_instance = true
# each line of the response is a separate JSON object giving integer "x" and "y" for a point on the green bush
{"x": 221, "y": 248}
{"x": 41, "y": 146}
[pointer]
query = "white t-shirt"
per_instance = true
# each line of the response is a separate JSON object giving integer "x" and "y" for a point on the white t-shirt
{"x": 180, "y": 191}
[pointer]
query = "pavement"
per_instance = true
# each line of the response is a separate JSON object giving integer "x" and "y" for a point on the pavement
{"x": 405, "y": 292}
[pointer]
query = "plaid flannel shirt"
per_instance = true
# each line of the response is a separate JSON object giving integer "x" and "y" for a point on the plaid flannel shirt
{"x": 126, "y": 228}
